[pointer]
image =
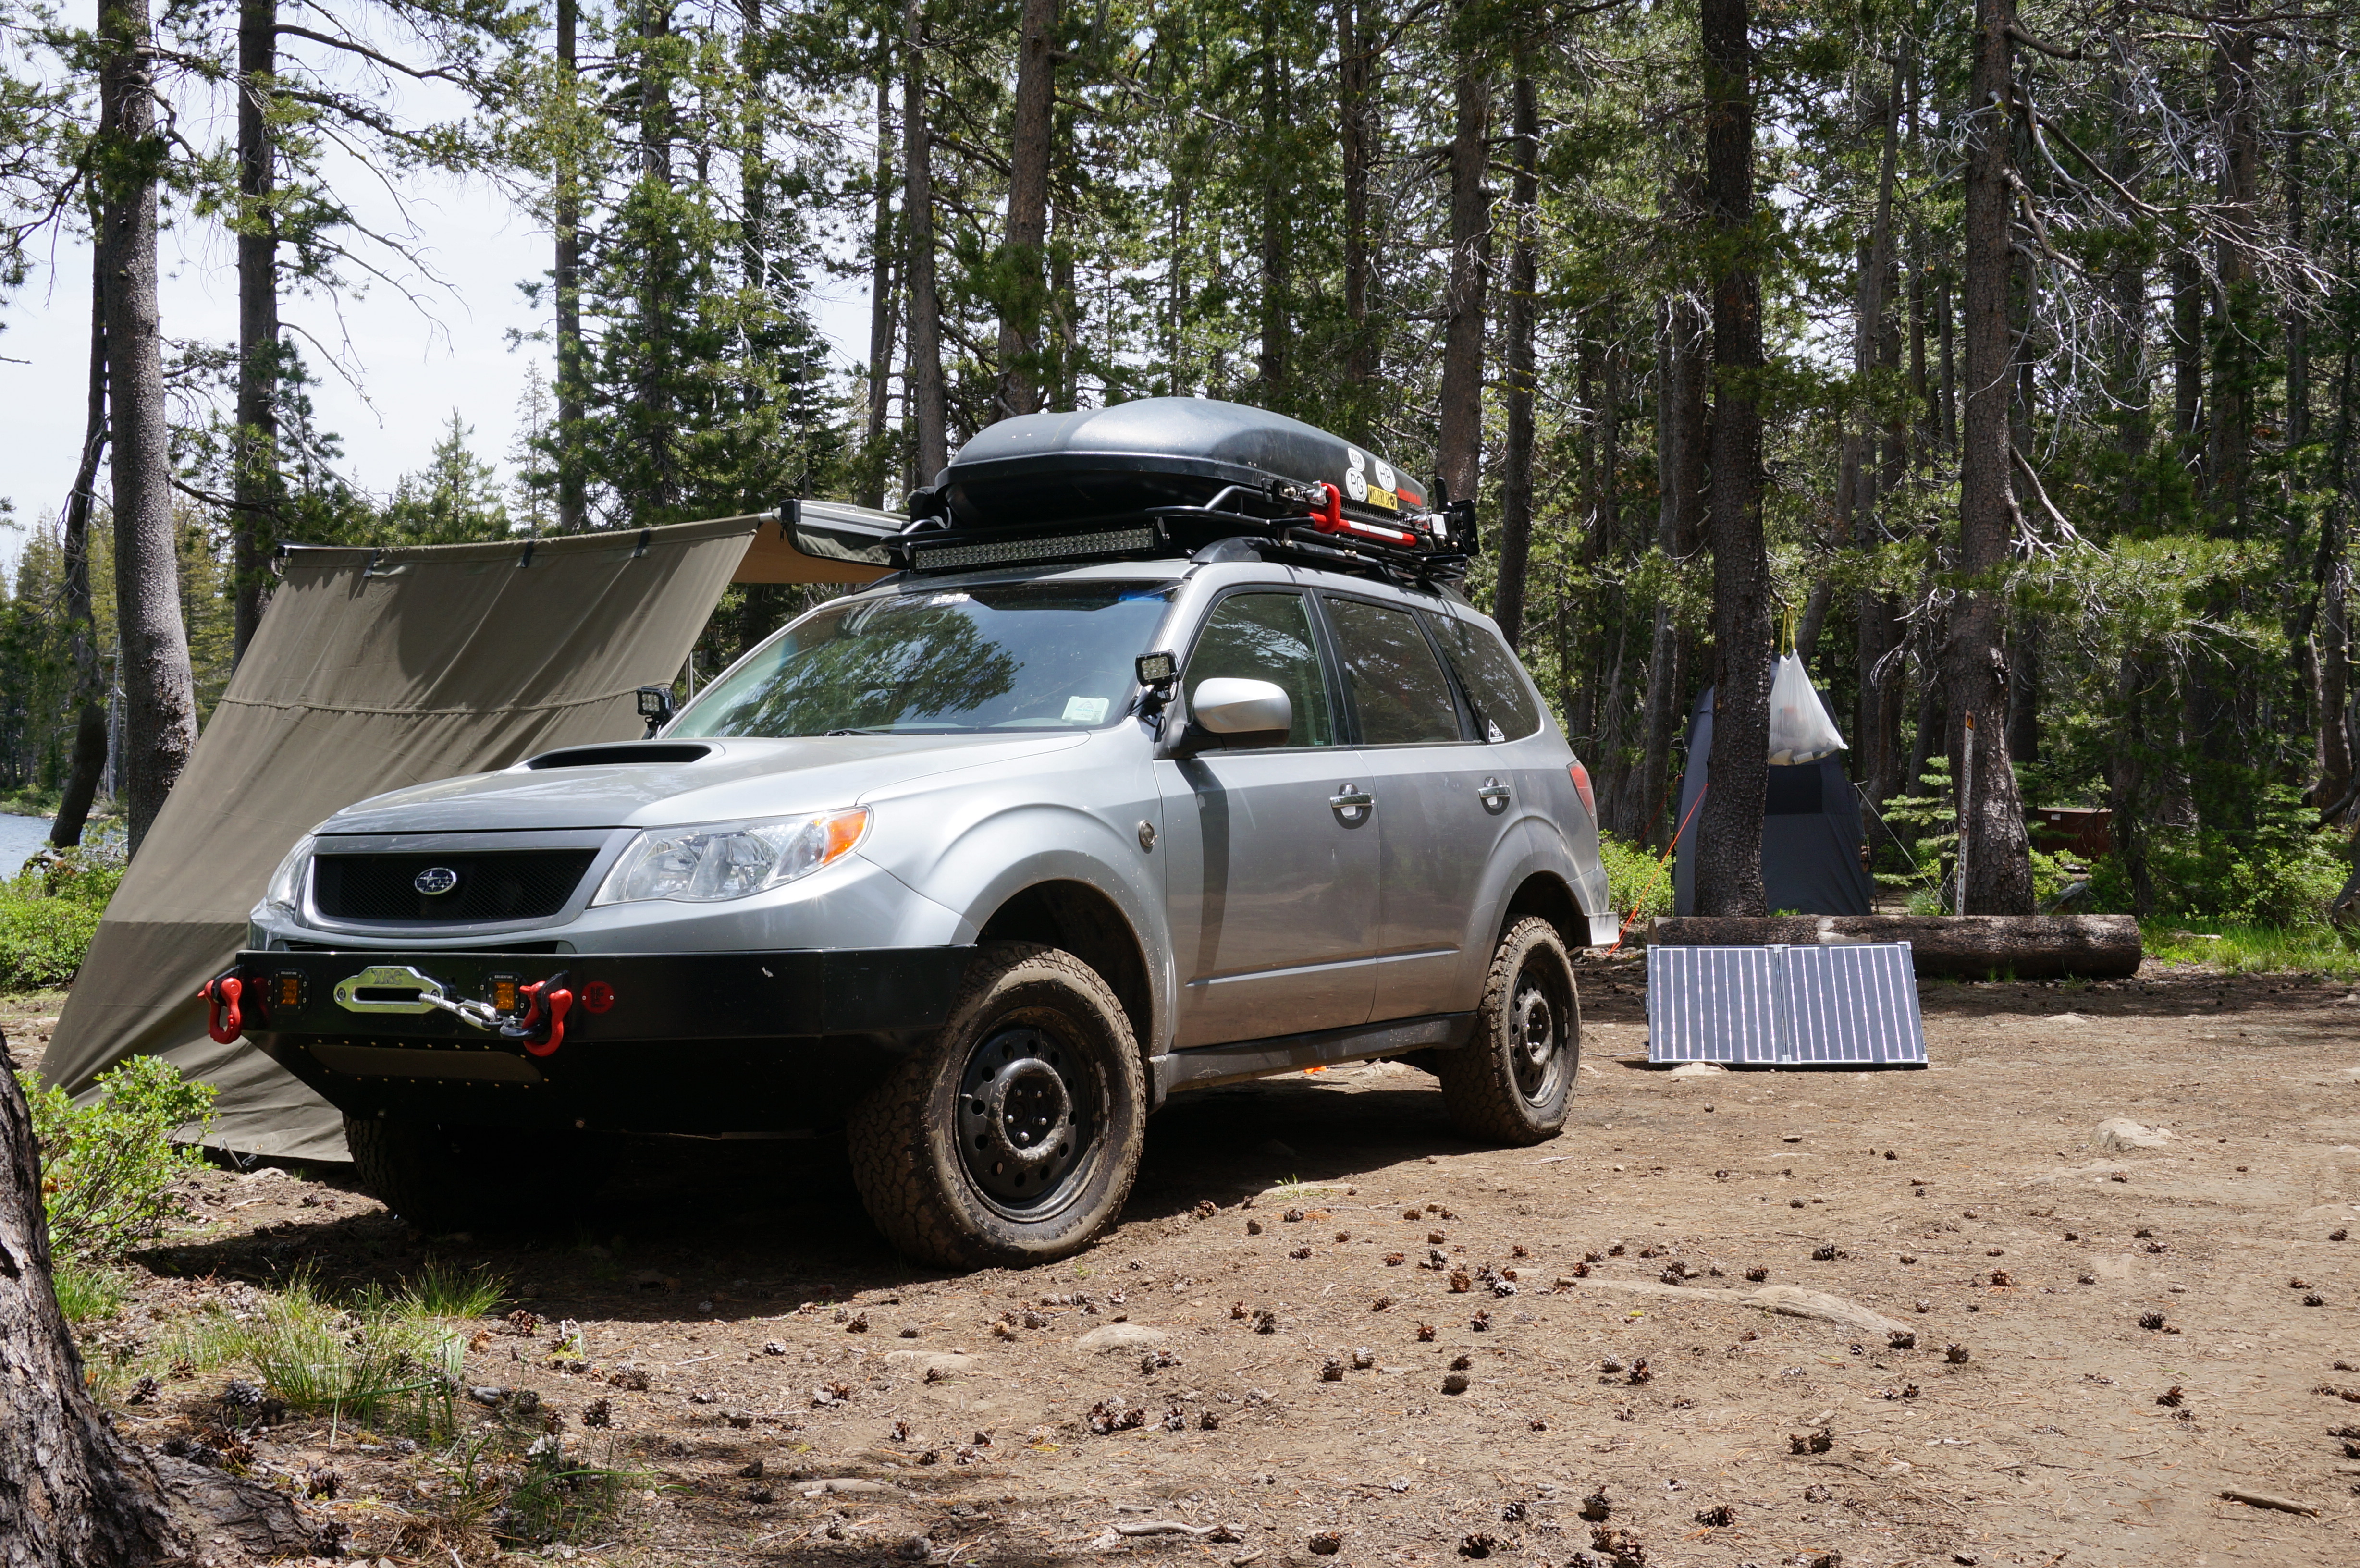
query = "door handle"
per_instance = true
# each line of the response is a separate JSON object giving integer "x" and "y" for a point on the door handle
{"x": 1493, "y": 794}
{"x": 1349, "y": 800}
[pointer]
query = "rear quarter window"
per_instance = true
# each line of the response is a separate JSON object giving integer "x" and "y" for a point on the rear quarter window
{"x": 1505, "y": 707}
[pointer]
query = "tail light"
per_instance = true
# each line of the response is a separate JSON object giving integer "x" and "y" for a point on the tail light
{"x": 1581, "y": 786}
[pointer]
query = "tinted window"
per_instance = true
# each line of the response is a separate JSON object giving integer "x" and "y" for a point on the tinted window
{"x": 1267, "y": 637}
{"x": 1398, "y": 687}
{"x": 1022, "y": 657}
{"x": 1505, "y": 709}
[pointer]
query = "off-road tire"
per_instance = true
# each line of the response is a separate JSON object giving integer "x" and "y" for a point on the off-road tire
{"x": 443, "y": 1179}
{"x": 1497, "y": 1087}
{"x": 1034, "y": 1011}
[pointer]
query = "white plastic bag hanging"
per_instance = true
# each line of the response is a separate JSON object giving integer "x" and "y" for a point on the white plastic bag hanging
{"x": 1800, "y": 730}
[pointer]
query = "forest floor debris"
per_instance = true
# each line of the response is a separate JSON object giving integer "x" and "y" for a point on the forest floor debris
{"x": 1941, "y": 1416}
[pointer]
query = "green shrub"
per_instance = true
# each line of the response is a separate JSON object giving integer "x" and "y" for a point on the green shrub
{"x": 1635, "y": 879}
{"x": 47, "y": 915}
{"x": 107, "y": 1168}
{"x": 2279, "y": 875}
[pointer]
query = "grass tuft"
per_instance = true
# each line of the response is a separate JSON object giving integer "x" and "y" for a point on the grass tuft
{"x": 559, "y": 1498}
{"x": 442, "y": 1291}
{"x": 2320, "y": 950}
{"x": 376, "y": 1361}
{"x": 88, "y": 1292}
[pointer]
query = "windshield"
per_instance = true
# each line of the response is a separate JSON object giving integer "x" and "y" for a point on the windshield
{"x": 1026, "y": 656}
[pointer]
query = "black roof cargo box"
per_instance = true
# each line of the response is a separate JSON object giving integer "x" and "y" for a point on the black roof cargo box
{"x": 1161, "y": 452}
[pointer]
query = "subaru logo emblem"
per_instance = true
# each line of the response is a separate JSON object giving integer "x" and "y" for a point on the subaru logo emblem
{"x": 435, "y": 880}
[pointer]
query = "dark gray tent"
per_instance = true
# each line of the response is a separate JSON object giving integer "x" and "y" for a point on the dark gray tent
{"x": 1810, "y": 833}
{"x": 376, "y": 668}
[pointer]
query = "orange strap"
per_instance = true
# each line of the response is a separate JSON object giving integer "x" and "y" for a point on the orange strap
{"x": 1640, "y": 902}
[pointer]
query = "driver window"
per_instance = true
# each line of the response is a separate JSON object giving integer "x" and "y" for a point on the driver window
{"x": 1267, "y": 637}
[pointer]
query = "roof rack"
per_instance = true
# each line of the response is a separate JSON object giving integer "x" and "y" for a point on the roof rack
{"x": 1437, "y": 553}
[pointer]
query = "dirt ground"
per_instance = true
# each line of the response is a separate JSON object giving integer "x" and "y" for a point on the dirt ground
{"x": 1270, "y": 1261}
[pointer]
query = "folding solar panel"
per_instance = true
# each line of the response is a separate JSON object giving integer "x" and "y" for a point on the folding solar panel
{"x": 1784, "y": 1006}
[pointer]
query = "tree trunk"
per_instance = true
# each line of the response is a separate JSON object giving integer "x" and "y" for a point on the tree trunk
{"x": 929, "y": 413}
{"x": 72, "y": 1493}
{"x": 659, "y": 310}
{"x": 2297, "y": 309}
{"x": 2333, "y": 794}
{"x": 1999, "y": 872}
{"x": 1933, "y": 719}
{"x": 1680, "y": 451}
{"x": 1860, "y": 478}
{"x": 754, "y": 152}
{"x": 1524, "y": 286}
{"x": 159, "y": 706}
{"x": 572, "y": 491}
{"x": 1946, "y": 391}
{"x": 881, "y": 323}
{"x": 1175, "y": 342}
{"x": 254, "y": 480}
{"x": 1459, "y": 449}
{"x": 1729, "y": 826}
{"x": 1277, "y": 217}
{"x": 2239, "y": 166}
{"x": 2187, "y": 415}
{"x": 1921, "y": 396}
{"x": 2024, "y": 691}
{"x": 2037, "y": 947}
{"x": 1028, "y": 210}
{"x": 2130, "y": 777}
{"x": 1355, "y": 56}
{"x": 89, "y": 759}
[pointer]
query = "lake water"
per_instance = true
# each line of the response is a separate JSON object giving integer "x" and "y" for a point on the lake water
{"x": 19, "y": 837}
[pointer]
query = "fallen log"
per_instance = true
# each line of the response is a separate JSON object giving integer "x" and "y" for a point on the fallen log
{"x": 1947, "y": 947}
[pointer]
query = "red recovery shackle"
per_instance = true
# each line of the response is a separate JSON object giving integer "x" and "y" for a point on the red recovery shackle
{"x": 226, "y": 1021}
{"x": 547, "y": 1008}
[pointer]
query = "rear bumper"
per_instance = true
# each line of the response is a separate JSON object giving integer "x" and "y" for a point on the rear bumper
{"x": 704, "y": 1042}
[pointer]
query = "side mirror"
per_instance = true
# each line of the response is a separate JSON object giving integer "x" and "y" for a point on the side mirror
{"x": 1244, "y": 713}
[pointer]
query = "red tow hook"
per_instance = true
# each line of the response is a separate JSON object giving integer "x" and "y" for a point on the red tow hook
{"x": 543, "y": 1027}
{"x": 231, "y": 1008}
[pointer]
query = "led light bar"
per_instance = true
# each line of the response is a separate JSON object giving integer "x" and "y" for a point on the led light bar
{"x": 1054, "y": 547}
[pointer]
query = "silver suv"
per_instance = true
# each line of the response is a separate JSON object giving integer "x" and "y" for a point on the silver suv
{"x": 980, "y": 865}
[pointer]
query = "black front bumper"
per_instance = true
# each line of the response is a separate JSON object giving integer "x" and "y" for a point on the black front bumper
{"x": 701, "y": 1042}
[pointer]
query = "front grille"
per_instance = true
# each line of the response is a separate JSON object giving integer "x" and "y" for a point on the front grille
{"x": 507, "y": 885}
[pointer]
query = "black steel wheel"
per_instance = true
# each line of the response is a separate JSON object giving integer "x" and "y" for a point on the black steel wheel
{"x": 1013, "y": 1135}
{"x": 1023, "y": 1118}
{"x": 1512, "y": 1083}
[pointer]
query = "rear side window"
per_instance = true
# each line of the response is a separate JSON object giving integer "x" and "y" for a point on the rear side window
{"x": 1267, "y": 637}
{"x": 1505, "y": 709}
{"x": 1398, "y": 687}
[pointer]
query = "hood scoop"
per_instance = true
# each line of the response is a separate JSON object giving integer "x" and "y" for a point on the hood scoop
{"x": 646, "y": 752}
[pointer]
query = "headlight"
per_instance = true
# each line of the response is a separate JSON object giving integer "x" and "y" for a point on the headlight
{"x": 285, "y": 895}
{"x": 718, "y": 861}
